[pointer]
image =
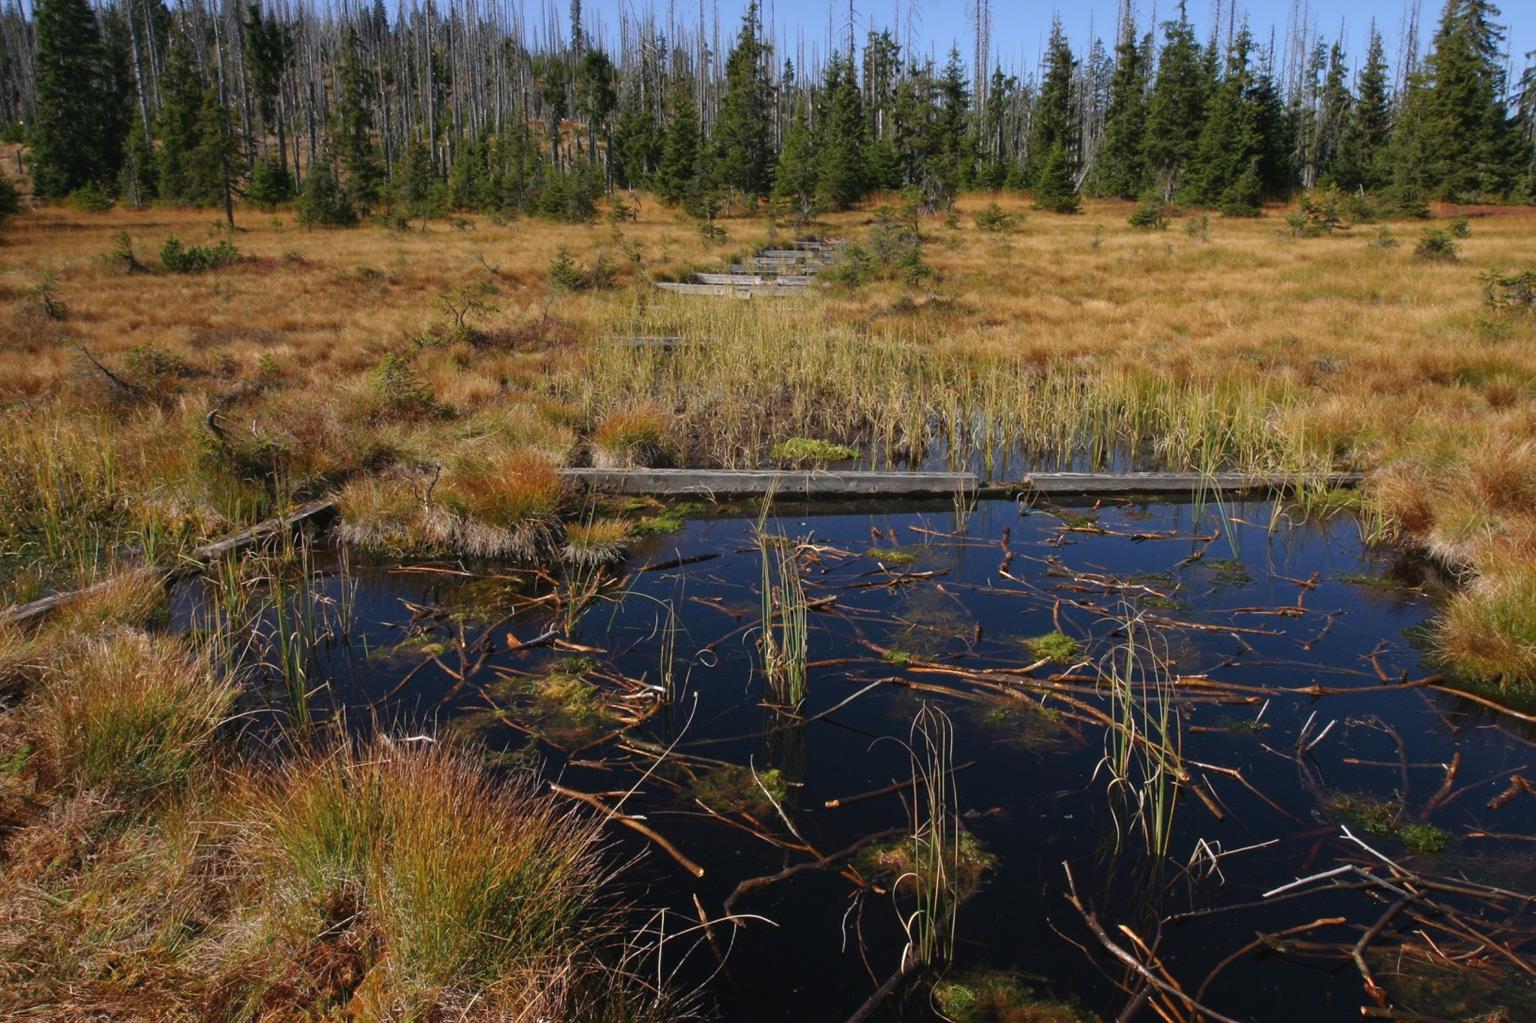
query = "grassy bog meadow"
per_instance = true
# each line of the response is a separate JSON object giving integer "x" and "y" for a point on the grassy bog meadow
{"x": 155, "y": 408}
{"x": 433, "y": 379}
{"x": 507, "y": 523}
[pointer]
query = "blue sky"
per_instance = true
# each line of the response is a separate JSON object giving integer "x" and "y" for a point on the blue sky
{"x": 1019, "y": 30}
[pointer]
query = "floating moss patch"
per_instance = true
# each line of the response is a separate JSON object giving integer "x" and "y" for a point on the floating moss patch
{"x": 1229, "y": 571}
{"x": 1374, "y": 582}
{"x": 1241, "y": 726}
{"x": 1054, "y": 646}
{"x": 891, "y": 861}
{"x": 891, "y": 557}
{"x": 1000, "y": 997}
{"x": 733, "y": 789}
{"x": 656, "y": 525}
{"x": 807, "y": 451}
{"x": 1386, "y": 818}
{"x": 563, "y": 704}
{"x": 1023, "y": 724}
{"x": 1495, "y": 992}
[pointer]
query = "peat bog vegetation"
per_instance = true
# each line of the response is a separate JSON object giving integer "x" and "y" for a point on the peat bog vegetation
{"x": 307, "y": 781}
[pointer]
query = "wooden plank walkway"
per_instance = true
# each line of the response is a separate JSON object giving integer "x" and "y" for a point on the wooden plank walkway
{"x": 734, "y": 290}
{"x": 856, "y": 483}
{"x": 770, "y": 273}
{"x": 37, "y": 610}
{"x": 747, "y": 482}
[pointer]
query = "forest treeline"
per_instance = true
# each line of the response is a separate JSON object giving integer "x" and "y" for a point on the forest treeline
{"x": 458, "y": 105}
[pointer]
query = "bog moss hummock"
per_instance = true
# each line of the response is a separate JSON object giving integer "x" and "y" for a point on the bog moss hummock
{"x": 805, "y": 452}
{"x": 1054, "y": 646}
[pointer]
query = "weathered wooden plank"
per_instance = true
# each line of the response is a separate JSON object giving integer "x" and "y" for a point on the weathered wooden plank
{"x": 742, "y": 291}
{"x": 706, "y": 278}
{"x": 854, "y": 483}
{"x": 716, "y": 290}
{"x": 1167, "y": 482}
{"x": 749, "y": 482}
{"x": 271, "y": 527}
{"x": 37, "y": 610}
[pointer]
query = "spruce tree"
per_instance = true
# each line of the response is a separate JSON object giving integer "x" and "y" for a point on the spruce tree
{"x": 1175, "y": 107}
{"x": 271, "y": 185}
{"x": 1525, "y": 116}
{"x": 998, "y": 166}
{"x": 1270, "y": 129}
{"x": 1367, "y": 128}
{"x": 1470, "y": 137}
{"x": 1118, "y": 169}
{"x": 189, "y": 164}
{"x": 597, "y": 98}
{"x": 215, "y": 163}
{"x": 743, "y": 129}
{"x": 554, "y": 76}
{"x": 950, "y": 158}
{"x": 1333, "y": 109}
{"x": 269, "y": 48}
{"x": 636, "y": 144}
{"x": 323, "y": 202}
{"x": 1230, "y": 141}
{"x": 840, "y": 156}
{"x": 795, "y": 178}
{"x": 912, "y": 116}
{"x": 1055, "y": 186}
{"x": 1053, "y": 126}
{"x": 1408, "y": 162}
{"x": 413, "y": 184}
{"x": 74, "y": 138}
{"x": 353, "y": 128}
{"x": 678, "y": 173}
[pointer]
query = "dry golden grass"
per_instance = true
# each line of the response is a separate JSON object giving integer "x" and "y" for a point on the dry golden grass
{"x": 333, "y": 357}
{"x": 147, "y": 873}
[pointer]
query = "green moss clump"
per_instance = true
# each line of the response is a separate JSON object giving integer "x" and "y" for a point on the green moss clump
{"x": 891, "y": 557}
{"x": 733, "y": 789}
{"x": 991, "y": 996}
{"x": 893, "y": 860}
{"x": 807, "y": 451}
{"x": 1230, "y": 571}
{"x": 1054, "y": 646}
{"x": 1386, "y": 818}
{"x": 1425, "y": 839}
{"x": 656, "y": 525}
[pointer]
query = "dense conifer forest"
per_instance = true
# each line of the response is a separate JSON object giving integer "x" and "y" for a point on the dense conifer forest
{"x": 361, "y": 110}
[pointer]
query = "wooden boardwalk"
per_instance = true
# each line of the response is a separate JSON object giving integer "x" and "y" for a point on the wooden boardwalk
{"x": 859, "y": 483}
{"x": 770, "y": 273}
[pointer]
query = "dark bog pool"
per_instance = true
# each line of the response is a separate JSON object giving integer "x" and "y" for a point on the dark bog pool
{"x": 1280, "y": 698}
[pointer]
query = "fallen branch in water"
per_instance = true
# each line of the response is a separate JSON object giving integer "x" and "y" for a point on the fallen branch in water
{"x": 754, "y": 883}
{"x": 1130, "y": 961}
{"x": 631, "y": 822}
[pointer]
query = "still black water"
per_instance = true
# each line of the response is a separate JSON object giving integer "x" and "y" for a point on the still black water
{"x": 1242, "y": 594}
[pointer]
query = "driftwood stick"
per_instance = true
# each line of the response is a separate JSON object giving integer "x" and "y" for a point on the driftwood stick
{"x": 884, "y": 991}
{"x": 630, "y": 822}
{"x": 754, "y": 883}
{"x": 1132, "y": 963}
{"x": 1376, "y": 991}
{"x": 1266, "y": 940}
